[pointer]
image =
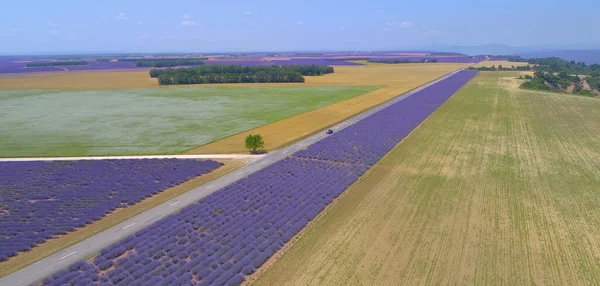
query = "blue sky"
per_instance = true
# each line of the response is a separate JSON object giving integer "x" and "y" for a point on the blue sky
{"x": 204, "y": 25}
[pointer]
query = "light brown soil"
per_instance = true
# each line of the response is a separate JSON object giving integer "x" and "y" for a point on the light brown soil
{"x": 498, "y": 186}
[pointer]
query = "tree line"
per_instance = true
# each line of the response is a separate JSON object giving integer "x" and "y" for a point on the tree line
{"x": 401, "y": 61}
{"x": 557, "y": 65}
{"x": 502, "y": 68}
{"x": 236, "y": 74}
{"x": 60, "y": 63}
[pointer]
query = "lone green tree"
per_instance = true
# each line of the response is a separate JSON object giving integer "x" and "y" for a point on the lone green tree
{"x": 254, "y": 142}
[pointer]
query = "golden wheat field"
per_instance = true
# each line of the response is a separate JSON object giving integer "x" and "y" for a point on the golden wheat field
{"x": 396, "y": 80}
{"x": 375, "y": 74}
{"x": 498, "y": 187}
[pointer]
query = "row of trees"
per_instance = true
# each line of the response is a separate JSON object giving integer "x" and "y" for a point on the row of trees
{"x": 557, "y": 65}
{"x": 502, "y": 68}
{"x": 59, "y": 63}
{"x": 401, "y": 61}
{"x": 236, "y": 74}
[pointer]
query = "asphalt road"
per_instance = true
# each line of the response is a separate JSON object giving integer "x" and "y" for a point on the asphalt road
{"x": 79, "y": 251}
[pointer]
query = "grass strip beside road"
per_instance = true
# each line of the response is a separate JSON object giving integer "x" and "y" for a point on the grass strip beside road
{"x": 52, "y": 246}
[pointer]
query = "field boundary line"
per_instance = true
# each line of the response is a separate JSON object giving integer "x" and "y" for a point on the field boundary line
{"x": 191, "y": 156}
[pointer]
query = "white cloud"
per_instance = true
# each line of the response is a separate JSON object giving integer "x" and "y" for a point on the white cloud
{"x": 248, "y": 18}
{"x": 404, "y": 25}
{"x": 188, "y": 23}
{"x": 398, "y": 25}
{"x": 11, "y": 31}
{"x": 50, "y": 24}
{"x": 54, "y": 31}
{"x": 298, "y": 24}
{"x": 122, "y": 16}
{"x": 140, "y": 23}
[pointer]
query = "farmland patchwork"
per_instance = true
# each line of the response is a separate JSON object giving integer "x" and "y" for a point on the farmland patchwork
{"x": 230, "y": 233}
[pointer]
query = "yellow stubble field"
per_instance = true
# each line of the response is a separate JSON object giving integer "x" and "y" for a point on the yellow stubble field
{"x": 396, "y": 80}
{"x": 499, "y": 186}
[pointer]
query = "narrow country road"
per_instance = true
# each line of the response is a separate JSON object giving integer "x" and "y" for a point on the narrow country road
{"x": 87, "y": 247}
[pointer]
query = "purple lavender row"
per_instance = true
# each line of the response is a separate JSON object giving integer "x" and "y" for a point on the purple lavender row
{"x": 224, "y": 236}
{"x": 42, "y": 200}
{"x": 458, "y": 59}
{"x": 8, "y": 67}
{"x": 232, "y": 232}
{"x": 292, "y": 62}
{"x": 368, "y": 140}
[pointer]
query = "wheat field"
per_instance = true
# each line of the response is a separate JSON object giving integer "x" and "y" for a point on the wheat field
{"x": 395, "y": 79}
{"x": 498, "y": 187}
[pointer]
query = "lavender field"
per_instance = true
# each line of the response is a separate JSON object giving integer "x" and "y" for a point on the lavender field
{"x": 12, "y": 66}
{"x": 41, "y": 200}
{"x": 17, "y": 65}
{"x": 292, "y": 62}
{"x": 231, "y": 233}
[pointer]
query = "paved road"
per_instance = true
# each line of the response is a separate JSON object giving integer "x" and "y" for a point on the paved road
{"x": 201, "y": 156}
{"x": 65, "y": 257}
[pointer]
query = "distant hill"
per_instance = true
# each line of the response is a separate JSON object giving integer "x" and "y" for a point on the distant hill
{"x": 587, "y": 56}
{"x": 491, "y": 49}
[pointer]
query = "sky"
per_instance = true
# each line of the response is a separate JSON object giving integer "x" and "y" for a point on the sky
{"x": 61, "y": 26}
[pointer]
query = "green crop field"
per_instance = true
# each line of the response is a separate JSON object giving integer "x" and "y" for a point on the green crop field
{"x": 147, "y": 121}
{"x": 499, "y": 186}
